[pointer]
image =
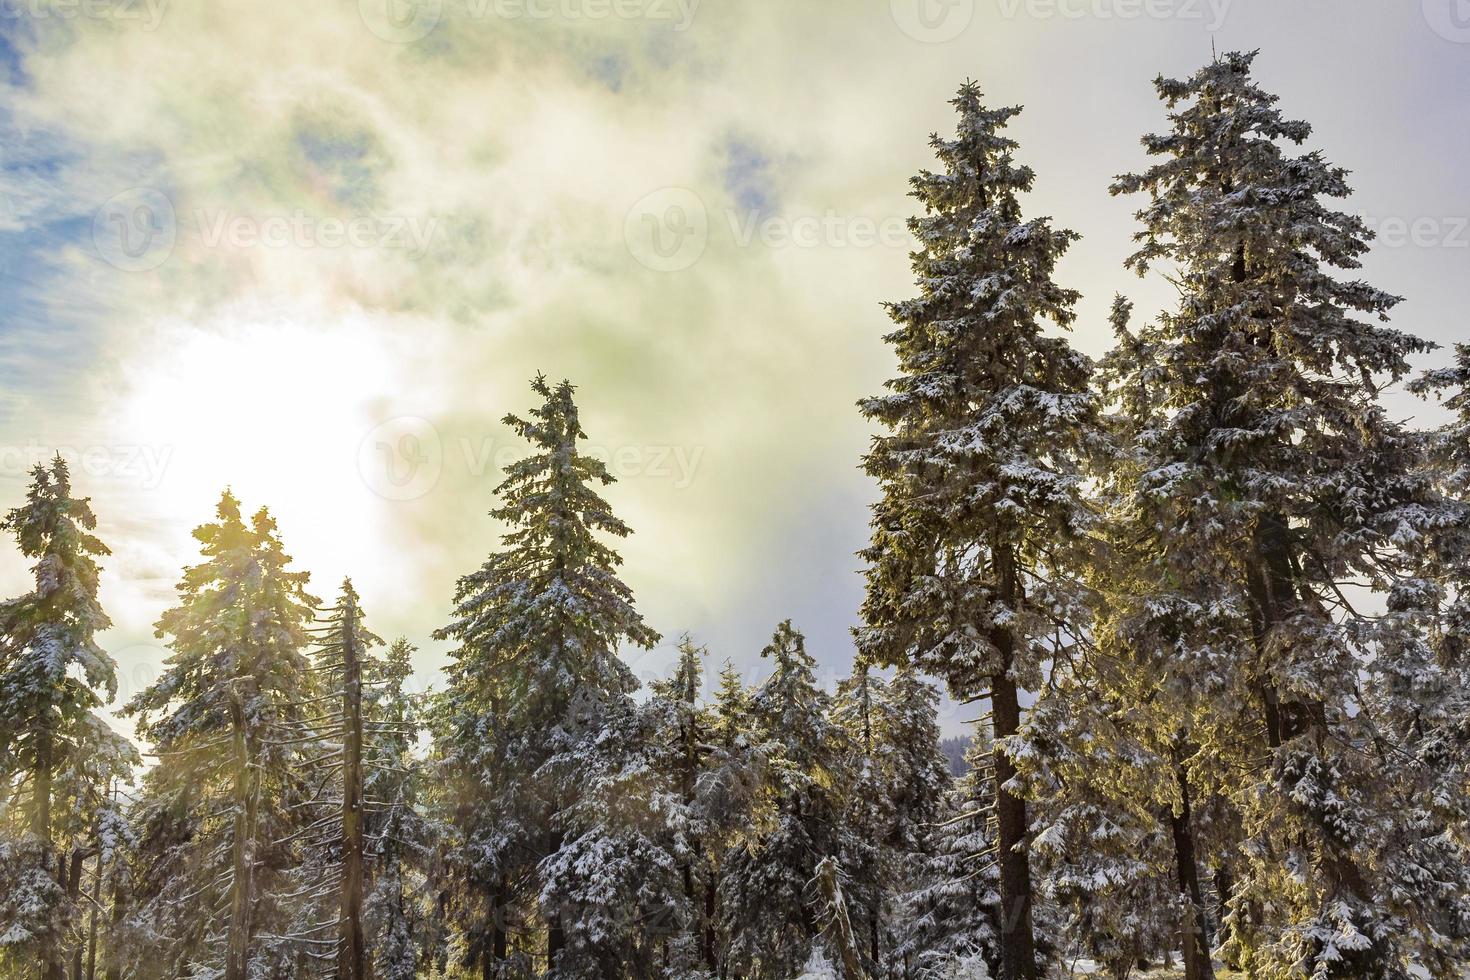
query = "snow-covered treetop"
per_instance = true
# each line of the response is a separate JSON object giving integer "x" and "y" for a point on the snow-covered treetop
{"x": 49, "y": 632}
{"x": 237, "y": 635}
{"x": 983, "y": 425}
{"x": 542, "y": 619}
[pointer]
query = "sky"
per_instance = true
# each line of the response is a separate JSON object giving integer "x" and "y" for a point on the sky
{"x": 315, "y": 252}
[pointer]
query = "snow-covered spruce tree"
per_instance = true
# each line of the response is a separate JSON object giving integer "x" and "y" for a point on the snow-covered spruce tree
{"x": 329, "y": 883}
{"x": 52, "y": 675}
{"x": 1102, "y": 832}
{"x": 400, "y": 841}
{"x": 952, "y": 912}
{"x": 534, "y": 679}
{"x": 970, "y": 576}
{"x": 897, "y": 784}
{"x": 684, "y": 742}
{"x": 88, "y": 820}
{"x": 732, "y": 802}
{"x": 117, "y": 846}
{"x": 216, "y": 818}
{"x": 1112, "y": 754}
{"x": 614, "y": 882}
{"x": 1448, "y": 461}
{"x": 868, "y": 813}
{"x": 767, "y": 911}
{"x": 1272, "y": 479}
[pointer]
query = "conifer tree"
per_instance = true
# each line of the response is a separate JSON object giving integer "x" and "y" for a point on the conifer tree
{"x": 768, "y": 913}
{"x": 1102, "y": 840}
{"x": 1448, "y": 463}
{"x": 733, "y": 803}
{"x": 332, "y": 877}
{"x": 684, "y": 738}
{"x": 399, "y": 839}
{"x": 216, "y": 818}
{"x": 535, "y": 671}
{"x": 1274, "y": 484}
{"x": 1113, "y": 747}
{"x": 897, "y": 781}
{"x": 970, "y": 575}
{"x": 53, "y": 675}
{"x": 952, "y": 913}
{"x": 869, "y": 811}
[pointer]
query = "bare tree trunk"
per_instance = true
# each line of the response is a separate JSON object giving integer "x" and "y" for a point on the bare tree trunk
{"x": 51, "y": 966}
{"x": 555, "y": 936}
{"x": 710, "y": 907}
{"x": 1018, "y": 945}
{"x": 351, "y": 953}
{"x": 498, "y": 943}
{"x": 237, "y": 944}
{"x": 873, "y": 933}
{"x": 119, "y": 905}
{"x": 74, "y": 894}
{"x": 1018, "y": 948}
{"x": 1269, "y": 583}
{"x": 92, "y": 924}
{"x": 1194, "y": 931}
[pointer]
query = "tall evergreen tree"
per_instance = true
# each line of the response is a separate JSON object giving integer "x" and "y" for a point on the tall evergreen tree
{"x": 534, "y": 673}
{"x": 1274, "y": 484}
{"x": 732, "y": 800}
{"x": 331, "y": 880}
{"x": 399, "y": 839}
{"x": 223, "y": 719}
{"x": 897, "y": 784}
{"x": 1448, "y": 462}
{"x": 1103, "y": 837}
{"x": 1116, "y": 740}
{"x": 53, "y": 675}
{"x": 769, "y": 915}
{"x": 970, "y": 576}
{"x": 684, "y": 737}
{"x": 952, "y": 913}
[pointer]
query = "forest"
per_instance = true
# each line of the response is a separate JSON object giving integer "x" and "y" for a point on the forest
{"x": 1205, "y": 596}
